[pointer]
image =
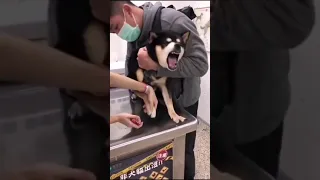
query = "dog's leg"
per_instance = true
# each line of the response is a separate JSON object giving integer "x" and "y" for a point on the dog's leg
{"x": 169, "y": 103}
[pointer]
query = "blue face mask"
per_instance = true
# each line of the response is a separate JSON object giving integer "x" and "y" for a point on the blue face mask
{"x": 129, "y": 33}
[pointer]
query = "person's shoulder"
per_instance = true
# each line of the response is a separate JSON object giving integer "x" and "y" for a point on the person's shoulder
{"x": 170, "y": 17}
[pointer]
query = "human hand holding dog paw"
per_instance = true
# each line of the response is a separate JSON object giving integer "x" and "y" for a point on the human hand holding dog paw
{"x": 153, "y": 101}
{"x": 144, "y": 60}
{"x": 147, "y": 105}
{"x": 150, "y": 102}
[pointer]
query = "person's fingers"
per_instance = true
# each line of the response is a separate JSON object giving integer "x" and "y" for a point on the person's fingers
{"x": 147, "y": 106}
{"x": 138, "y": 120}
{"x": 144, "y": 108}
{"x": 131, "y": 124}
{"x": 75, "y": 174}
{"x": 136, "y": 125}
{"x": 155, "y": 103}
{"x": 140, "y": 125}
{"x": 132, "y": 116}
{"x": 78, "y": 174}
{"x": 48, "y": 171}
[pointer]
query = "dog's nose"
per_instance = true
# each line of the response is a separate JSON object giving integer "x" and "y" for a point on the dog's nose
{"x": 177, "y": 48}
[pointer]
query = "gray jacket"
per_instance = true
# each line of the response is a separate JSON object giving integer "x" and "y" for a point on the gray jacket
{"x": 250, "y": 45}
{"x": 193, "y": 65}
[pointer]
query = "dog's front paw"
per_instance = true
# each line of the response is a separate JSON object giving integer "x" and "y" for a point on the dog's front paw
{"x": 175, "y": 117}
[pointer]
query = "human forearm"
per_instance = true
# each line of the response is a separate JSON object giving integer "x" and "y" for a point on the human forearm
{"x": 25, "y": 61}
{"x": 120, "y": 81}
{"x": 114, "y": 119}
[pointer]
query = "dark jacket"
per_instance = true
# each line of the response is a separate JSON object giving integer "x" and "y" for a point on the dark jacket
{"x": 250, "y": 89}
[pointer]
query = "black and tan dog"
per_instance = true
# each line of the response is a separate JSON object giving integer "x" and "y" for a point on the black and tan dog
{"x": 166, "y": 48}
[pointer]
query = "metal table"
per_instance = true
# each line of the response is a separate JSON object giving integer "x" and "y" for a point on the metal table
{"x": 155, "y": 133}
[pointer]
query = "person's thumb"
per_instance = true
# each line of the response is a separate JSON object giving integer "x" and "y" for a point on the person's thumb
{"x": 132, "y": 116}
{"x": 76, "y": 174}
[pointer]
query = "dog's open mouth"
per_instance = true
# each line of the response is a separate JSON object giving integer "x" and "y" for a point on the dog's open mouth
{"x": 172, "y": 60}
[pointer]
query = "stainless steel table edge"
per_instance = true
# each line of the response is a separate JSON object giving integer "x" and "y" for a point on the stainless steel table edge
{"x": 147, "y": 141}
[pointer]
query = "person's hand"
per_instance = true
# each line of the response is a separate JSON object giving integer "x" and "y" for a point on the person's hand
{"x": 144, "y": 60}
{"x": 150, "y": 101}
{"x": 129, "y": 120}
{"x": 48, "y": 171}
{"x": 147, "y": 105}
{"x": 152, "y": 98}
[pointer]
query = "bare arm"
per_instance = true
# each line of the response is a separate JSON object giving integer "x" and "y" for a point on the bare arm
{"x": 25, "y": 61}
{"x": 142, "y": 90}
{"x": 114, "y": 119}
{"x": 120, "y": 81}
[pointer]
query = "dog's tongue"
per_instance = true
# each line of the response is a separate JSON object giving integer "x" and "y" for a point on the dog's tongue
{"x": 172, "y": 62}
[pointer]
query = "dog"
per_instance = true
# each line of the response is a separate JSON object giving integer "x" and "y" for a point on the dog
{"x": 166, "y": 48}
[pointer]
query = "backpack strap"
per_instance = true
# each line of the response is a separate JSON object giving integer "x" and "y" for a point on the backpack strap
{"x": 156, "y": 25}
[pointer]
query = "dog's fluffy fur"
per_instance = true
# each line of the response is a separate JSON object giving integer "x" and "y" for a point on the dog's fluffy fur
{"x": 166, "y": 48}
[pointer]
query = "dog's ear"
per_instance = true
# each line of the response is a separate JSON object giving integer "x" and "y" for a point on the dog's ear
{"x": 152, "y": 36}
{"x": 185, "y": 37}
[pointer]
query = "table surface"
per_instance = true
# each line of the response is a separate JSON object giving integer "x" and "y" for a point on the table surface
{"x": 152, "y": 128}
